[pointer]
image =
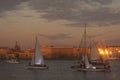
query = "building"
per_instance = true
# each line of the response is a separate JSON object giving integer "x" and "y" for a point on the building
{"x": 3, "y": 52}
{"x": 114, "y": 51}
{"x": 53, "y": 52}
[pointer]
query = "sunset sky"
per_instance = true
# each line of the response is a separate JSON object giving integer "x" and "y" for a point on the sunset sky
{"x": 58, "y": 22}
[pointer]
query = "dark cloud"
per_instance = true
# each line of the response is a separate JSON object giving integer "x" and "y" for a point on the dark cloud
{"x": 98, "y": 35}
{"x": 8, "y": 5}
{"x": 79, "y": 11}
{"x": 97, "y": 12}
{"x": 57, "y": 36}
{"x": 28, "y": 16}
{"x": 1, "y": 16}
{"x": 102, "y": 15}
{"x": 55, "y": 9}
{"x": 98, "y": 1}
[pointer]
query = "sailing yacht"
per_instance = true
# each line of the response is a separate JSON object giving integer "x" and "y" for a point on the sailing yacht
{"x": 87, "y": 64}
{"x": 37, "y": 61}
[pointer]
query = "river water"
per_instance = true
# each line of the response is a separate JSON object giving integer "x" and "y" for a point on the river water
{"x": 58, "y": 70}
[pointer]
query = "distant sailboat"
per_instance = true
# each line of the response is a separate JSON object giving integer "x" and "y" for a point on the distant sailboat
{"x": 12, "y": 61}
{"x": 37, "y": 61}
{"x": 12, "y": 57}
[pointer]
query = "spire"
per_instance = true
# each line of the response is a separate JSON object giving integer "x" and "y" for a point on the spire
{"x": 17, "y": 46}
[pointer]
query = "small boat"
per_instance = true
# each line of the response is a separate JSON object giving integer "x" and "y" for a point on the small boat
{"x": 37, "y": 61}
{"x": 12, "y": 61}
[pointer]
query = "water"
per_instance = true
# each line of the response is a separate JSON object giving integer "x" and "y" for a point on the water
{"x": 58, "y": 70}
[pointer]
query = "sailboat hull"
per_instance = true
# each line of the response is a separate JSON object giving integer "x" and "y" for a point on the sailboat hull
{"x": 38, "y": 67}
{"x": 93, "y": 70}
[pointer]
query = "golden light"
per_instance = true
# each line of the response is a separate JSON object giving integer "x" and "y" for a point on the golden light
{"x": 116, "y": 49}
{"x": 119, "y": 51}
{"x": 100, "y": 51}
{"x": 106, "y": 51}
{"x": 110, "y": 52}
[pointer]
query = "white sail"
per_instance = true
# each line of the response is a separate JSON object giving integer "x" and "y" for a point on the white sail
{"x": 87, "y": 64}
{"x": 94, "y": 53}
{"x": 37, "y": 58}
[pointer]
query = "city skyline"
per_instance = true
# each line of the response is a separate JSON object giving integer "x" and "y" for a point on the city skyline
{"x": 58, "y": 22}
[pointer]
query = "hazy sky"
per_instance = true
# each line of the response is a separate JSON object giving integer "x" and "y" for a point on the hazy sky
{"x": 58, "y": 22}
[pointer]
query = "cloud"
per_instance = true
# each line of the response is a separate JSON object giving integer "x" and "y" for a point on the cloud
{"x": 113, "y": 42}
{"x": 57, "y": 36}
{"x": 28, "y": 16}
{"x": 98, "y": 35}
{"x": 98, "y": 1}
{"x": 8, "y": 5}
{"x": 97, "y": 12}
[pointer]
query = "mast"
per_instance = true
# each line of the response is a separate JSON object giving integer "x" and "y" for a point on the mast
{"x": 85, "y": 39}
{"x": 35, "y": 47}
{"x": 84, "y": 45}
